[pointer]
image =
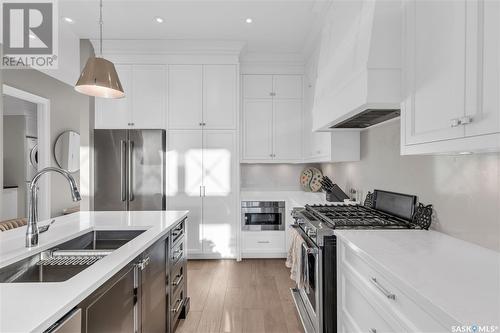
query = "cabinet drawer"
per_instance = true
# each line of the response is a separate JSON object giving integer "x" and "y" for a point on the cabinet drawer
{"x": 411, "y": 314}
{"x": 262, "y": 241}
{"x": 177, "y": 253}
{"x": 358, "y": 310}
{"x": 178, "y": 277}
{"x": 176, "y": 304}
{"x": 177, "y": 234}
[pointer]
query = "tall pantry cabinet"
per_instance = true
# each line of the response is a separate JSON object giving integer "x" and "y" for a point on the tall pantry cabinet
{"x": 202, "y": 158}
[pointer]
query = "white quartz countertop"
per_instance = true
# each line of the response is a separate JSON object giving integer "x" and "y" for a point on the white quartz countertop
{"x": 33, "y": 307}
{"x": 460, "y": 278}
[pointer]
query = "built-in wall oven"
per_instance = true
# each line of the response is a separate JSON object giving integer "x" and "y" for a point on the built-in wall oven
{"x": 262, "y": 215}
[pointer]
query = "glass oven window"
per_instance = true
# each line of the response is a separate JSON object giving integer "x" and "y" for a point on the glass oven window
{"x": 262, "y": 219}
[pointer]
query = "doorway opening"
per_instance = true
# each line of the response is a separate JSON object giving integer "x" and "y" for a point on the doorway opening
{"x": 26, "y": 150}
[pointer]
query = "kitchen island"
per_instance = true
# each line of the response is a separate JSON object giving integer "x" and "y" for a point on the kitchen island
{"x": 34, "y": 307}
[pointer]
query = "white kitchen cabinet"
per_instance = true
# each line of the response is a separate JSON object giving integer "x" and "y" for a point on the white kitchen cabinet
{"x": 219, "y": 227}
{"x": 257, "y": 86}
{"x": 148, "y": 96}
{"x": 369, "y": 300}
{"x": 287, "y": 86}
{"x": 202, "y": 96}
{"x": 258, "y": 244}
{"x": 185, "y": 96}
{"x": 184, "y": 181}
{"x": 272, "y": 118}
{"x": 144, "y": 103}
{"x": 116, "y": 113}
{"x": 451, "y": 74}
{"x": 201, "y": 178}
{"x": 257, "y": 129}
{"x": 220, "y": 96}
{"x": 287, "y": 128}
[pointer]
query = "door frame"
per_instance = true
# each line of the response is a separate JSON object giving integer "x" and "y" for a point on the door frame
{"x": 44, "y": 152}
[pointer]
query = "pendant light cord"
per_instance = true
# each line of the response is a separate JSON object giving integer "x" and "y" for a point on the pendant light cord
{"x": 100, "y": 27}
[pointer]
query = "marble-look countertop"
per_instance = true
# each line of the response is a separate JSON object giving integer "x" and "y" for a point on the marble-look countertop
{"x": 33, "y": 307}
{"x": 459, "y": 278}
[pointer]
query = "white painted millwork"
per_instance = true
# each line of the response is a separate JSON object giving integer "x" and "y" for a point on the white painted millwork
{"x": 414, "y": 281}
{"x": 258, "y": 244}
{"x": 201, "y": 178}
{"x": 185, "y": 96}
{"x": 48, "y": 302}
{"x": 359, "y": 65}
{"x": 202, "y": 96}
{"x": 452, "y": 77}
{"x": 144, "y": 103}
{"x": 272, "y": 118}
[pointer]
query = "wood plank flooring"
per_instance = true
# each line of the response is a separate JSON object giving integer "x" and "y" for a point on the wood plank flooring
{"x": 248, "y": 296}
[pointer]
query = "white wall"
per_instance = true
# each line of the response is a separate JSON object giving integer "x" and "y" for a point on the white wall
{"x": 271, "y": 177}
{"x": 465, "y": 190}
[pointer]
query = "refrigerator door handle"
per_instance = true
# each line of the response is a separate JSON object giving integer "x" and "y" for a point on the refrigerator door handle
{"x": 130, "y": 170}
{"x": 123, "y": 163}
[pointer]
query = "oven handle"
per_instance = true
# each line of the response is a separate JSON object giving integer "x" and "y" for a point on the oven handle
{"x": 310, "y": 245}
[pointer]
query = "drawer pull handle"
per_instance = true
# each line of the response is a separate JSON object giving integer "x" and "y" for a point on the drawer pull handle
{"x": 372, "y": 330}
{"x": 178, "y": 307}
{"x": 178, "y": 280}
{"x": 263, "y": 242}
{"x": 384, "y": 291}
{"x": 177, "y": 255}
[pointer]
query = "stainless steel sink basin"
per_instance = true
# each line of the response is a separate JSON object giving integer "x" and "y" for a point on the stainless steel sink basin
{"x": 67, "y": 259}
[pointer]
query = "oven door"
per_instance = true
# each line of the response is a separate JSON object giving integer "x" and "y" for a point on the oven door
{"x": 256, "y": 219}
{"x": 307, "y": 297}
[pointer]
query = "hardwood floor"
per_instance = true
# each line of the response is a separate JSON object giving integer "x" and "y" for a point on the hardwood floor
{"x": 248, "y": 296}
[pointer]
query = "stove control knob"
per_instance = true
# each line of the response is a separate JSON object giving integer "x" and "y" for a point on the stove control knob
{"x": 310, "y": 232}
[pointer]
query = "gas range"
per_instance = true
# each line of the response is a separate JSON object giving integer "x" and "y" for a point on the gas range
{"x": 389, "y": 211}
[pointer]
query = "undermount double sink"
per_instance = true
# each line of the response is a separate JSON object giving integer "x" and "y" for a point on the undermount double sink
{"x": 65, "y": 260}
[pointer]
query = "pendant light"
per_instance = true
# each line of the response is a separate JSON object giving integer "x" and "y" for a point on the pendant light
{"x": 99, "y": 77}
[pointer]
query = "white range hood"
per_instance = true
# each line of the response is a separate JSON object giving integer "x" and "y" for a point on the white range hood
{"x": 359, "y": 67}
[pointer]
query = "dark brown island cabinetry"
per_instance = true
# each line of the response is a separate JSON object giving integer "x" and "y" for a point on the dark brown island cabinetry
{"x": 148, "y": 295}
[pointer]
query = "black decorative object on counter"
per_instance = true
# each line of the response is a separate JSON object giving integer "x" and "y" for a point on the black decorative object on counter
{"x": 423, "y": 216}
{"x": 369, "y": 200}
{"x": 333, "y": 192}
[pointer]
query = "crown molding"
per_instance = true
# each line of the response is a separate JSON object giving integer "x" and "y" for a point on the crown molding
{"x": 169, "y": 47}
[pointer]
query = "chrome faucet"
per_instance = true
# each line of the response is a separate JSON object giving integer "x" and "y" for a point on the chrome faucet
{"x": 32, "y": 230}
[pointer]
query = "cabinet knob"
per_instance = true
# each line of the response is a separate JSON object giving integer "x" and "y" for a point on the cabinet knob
{"x": 466, "y": 120}
{"x": 455, "y": 122}
{"x": 372, "y": 330}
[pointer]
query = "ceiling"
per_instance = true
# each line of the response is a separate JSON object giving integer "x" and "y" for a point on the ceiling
{"x": 285, "y": 26}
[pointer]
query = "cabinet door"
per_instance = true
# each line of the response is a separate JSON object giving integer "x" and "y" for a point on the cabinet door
{"x": 258, "y": 86}
{"x": 184, "y": 181}
{"x": 257, "y": 129}
{"x": 101, "y": 313}
{"x": 287, "y": 129}
{"x": 185, "y": 93}
{"x": 149, "y": 90}
{"x": 115, "y": 113}
{"x": 435, "y": 77}
{"x": 485, "y": 111}
{"x": 220, "y": 96}
{"x": 219, "y": 215}
{"x": 287, "y": 86}
{"x": 154, "y": 289}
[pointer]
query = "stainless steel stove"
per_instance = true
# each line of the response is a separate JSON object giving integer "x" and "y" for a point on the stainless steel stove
{"x": 316, "y": 225}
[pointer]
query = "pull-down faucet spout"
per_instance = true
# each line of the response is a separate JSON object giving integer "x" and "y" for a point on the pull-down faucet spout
{"x": 32, "y": 227}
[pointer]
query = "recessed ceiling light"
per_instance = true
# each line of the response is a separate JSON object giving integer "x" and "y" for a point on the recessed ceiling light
{"x": 68, "y": 19}
{"x": 249, "y": 20}
{"x": 465, "y": 153}
{"x": 158, "y": 19}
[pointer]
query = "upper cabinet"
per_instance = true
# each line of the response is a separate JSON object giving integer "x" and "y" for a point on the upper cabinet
{"x": 202, "y": 96}
{"x": 144, "y": 103}
{"x": 272, "y": 118}
{"x": 451, "y": 77}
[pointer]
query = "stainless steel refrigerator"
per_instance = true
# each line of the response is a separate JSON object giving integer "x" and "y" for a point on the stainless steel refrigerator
{"x": 129, "y": 170}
